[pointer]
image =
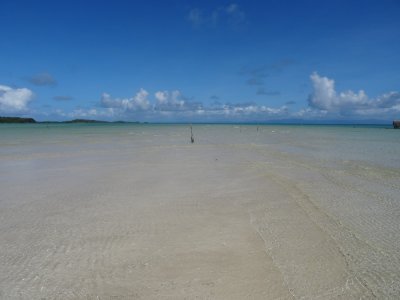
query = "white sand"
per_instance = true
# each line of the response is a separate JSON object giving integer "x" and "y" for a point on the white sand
{"x": 155, "y": 219}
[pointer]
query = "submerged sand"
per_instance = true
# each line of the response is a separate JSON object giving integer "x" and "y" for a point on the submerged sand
{"x": 144, "y": 215}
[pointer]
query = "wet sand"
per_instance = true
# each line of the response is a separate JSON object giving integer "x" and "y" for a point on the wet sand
{"x": 154, "y": 217}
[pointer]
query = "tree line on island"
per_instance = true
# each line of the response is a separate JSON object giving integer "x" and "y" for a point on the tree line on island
{"x": 31, "y": 120}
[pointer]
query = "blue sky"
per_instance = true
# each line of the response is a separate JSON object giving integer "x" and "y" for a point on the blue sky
{"x": 195, "y": 61}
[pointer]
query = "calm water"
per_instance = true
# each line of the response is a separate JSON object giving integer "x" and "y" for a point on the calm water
{"x": 324, "y": 200}
{"x": 375, "y": 145}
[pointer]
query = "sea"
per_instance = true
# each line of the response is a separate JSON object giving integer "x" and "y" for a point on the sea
{"x": 324, "y": 200}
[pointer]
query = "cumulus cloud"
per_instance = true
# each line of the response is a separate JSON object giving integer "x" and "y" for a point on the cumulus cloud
{"x": 42, "y": 79}
{"x": 349, "y": 103}
{"x": 14, "y": 100}
{"x": 310, "y": 113}
{"x": 139, "y": 102}
{"x": 254, "y": 109}
{"x": 388, "y": 100}
{"x": 325, "y": 97}
{"x": 237, "y": 112}
{"x": 324, "y": 103}
{"x": 90, "y": 113}
{"x": 170, "y": 100}
{"x": 174, "y": 106}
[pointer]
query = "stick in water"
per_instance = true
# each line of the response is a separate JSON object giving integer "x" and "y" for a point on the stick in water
{"x": 191, "y": 134}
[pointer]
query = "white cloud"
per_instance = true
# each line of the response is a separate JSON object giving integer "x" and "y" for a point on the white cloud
{"x": 257, "y": 109}
{"x": 89, "y": 113}
{"x": 139, "y": 102}
{"x": 324, "y": 103}
{"x": 162, "y": 97}
{"x": 309, "y": 113}
{"x": 327, "y": 101}
{"x": 225, "y": 112}
{"x": 169, "y": 100}
{"x": 389, "y": 100}
{"x": 324, "y": 96}
{"x": 14, "y": 100}
{"x": 174, "y": 106}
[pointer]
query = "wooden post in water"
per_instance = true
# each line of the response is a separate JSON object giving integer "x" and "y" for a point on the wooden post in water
{"x": 396, "y": 124}
{"x": 191, "y": 134}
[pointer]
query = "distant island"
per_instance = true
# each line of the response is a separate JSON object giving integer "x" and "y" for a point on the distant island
{"x": 16, "y": 120}
{"x": 31, "y": 120}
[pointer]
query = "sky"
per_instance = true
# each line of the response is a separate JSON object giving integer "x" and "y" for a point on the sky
{"x": 201, "y": 61}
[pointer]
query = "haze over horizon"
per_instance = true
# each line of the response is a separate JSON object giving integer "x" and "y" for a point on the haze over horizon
{"x": 201, "y": 61}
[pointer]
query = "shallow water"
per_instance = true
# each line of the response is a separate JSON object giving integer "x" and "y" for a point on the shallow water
{"x": 95, "y": 211}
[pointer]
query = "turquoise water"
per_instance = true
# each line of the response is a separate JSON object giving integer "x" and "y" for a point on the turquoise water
{"x": 373, "y": 144}
{"x": 296, "y": 183}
